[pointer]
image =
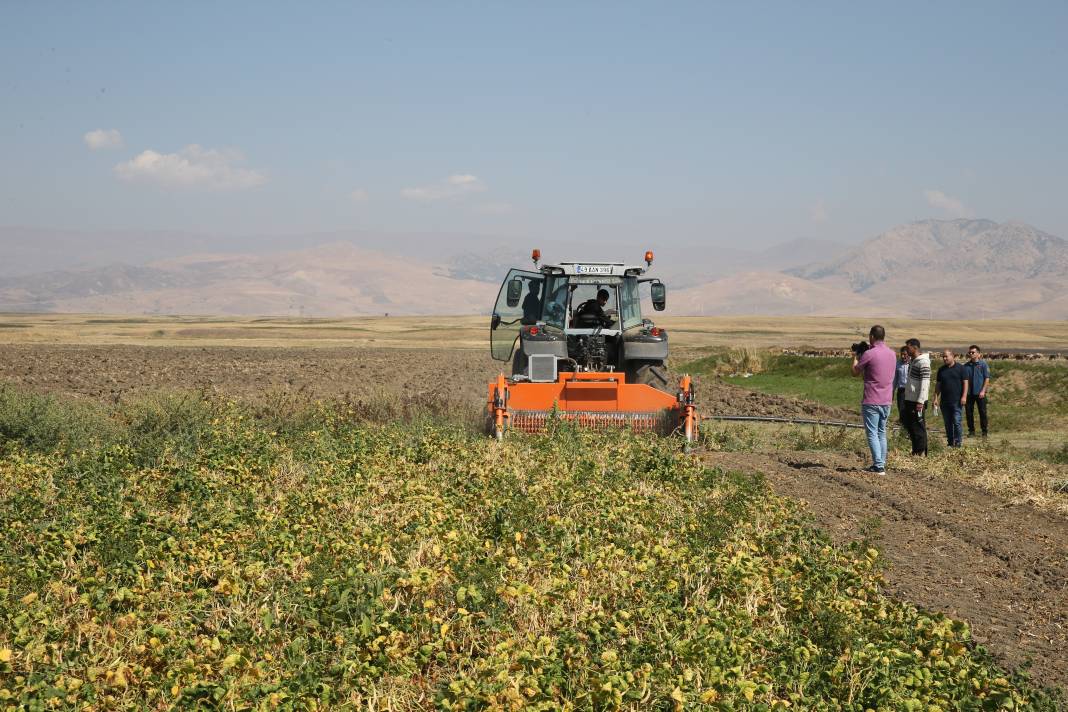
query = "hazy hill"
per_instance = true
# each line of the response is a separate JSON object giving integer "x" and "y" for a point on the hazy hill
{"x": 954, "y": 249}
{"x": 770, "y": 294}
{"x": 970, "y": 268}
{"x": 975, "y": 268}
{"x": 329, "y": 280}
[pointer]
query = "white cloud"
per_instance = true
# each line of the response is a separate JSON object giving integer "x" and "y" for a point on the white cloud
{"x": 947, "y": 203}
{"x": 192, "y": 167}
{"x": 818, "y": 213}
{"x": 455, "y": 186}
{"x": 100, "y": 139}
{"x": 359, "y": 196}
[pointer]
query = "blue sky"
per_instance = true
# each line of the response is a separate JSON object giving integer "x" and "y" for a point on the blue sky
{"x": 744, "y": 124}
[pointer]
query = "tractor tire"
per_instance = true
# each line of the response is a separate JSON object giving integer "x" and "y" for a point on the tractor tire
{"x": 650, "y": 374}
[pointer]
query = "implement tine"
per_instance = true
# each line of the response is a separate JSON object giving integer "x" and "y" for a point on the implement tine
{"x": 536, "y": 421}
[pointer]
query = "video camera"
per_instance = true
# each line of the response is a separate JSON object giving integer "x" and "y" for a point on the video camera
{"x": 859, "y": 348}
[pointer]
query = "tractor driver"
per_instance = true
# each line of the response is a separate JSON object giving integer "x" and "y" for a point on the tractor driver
{"x": 532, "y": 303}
{"x": 591, "y": 312}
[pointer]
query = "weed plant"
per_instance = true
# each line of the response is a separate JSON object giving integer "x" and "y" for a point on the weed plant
{"x": 210, "y": 555}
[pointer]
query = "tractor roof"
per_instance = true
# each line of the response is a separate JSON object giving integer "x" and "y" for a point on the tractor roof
{"x": 596, "y": 269}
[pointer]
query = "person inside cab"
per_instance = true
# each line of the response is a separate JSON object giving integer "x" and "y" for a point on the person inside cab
{"x": 532, "y": 303}
{"x": 590, "y": 313}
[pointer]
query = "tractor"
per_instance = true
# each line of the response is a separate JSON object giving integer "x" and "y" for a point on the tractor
{"x": 580, "y": 348}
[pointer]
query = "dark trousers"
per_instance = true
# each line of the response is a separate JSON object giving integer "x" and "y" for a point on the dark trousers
{"x": 975, "y": 400}
{"x": 901, "y": 408}
{"x": 916, "y": 425}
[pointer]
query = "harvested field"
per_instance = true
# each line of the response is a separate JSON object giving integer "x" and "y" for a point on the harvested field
{"x": 803, "y": 333}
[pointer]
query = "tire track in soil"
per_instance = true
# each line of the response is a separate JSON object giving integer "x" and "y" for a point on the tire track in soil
{"x": 951, "y": 547}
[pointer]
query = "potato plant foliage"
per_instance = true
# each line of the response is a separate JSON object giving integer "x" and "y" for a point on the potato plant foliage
{"x": 204, "y": 556}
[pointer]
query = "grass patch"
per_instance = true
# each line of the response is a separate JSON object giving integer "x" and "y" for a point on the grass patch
{"x": 219, "y": 555}
{"x": 824, "y": 380}
{"x": 1024, "y": 396}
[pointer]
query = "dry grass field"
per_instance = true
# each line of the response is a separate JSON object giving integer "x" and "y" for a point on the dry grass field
{"x": 471, "y": 332}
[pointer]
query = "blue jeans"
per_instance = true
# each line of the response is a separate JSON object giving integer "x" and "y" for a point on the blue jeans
{"x": 951, "y": 413}
{"x": 875, "y": 417}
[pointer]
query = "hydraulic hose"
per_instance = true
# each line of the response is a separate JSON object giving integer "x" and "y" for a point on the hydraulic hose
{"x": 776, "y": 419}
{"x": 797, "y": 421}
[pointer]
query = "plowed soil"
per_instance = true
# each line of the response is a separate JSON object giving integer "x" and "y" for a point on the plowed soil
{"x": 111, "y": 373}
{"x": 950, "y": 547}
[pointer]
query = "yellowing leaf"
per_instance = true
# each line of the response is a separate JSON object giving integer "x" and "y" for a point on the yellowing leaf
{"x": 5, "y": 655}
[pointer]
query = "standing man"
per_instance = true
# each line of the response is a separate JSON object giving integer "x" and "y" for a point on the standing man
{"x": 876, "y": 365}
{"x": 978, "y": 380}
{"x": 532, "y": 303}
{"x": 901, "y": 379}
{"x": 950, "y": 388}
{"x": 916, "y": 396}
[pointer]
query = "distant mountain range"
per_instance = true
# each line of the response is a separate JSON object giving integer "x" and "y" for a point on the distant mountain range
{"x": 966, "y": 268}
{"x": 940, "y": 268}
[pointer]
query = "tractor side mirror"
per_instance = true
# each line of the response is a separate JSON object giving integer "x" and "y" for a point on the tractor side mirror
{"x": 658, "y": 293}
{"x": 515, "y": 290}
{"x": 495, "y": 322}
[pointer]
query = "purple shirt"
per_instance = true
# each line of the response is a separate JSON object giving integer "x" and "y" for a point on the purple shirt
{"x": 878, "y": 364}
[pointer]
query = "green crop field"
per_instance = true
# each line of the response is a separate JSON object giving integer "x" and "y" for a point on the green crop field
{"x": 189, "y": 553}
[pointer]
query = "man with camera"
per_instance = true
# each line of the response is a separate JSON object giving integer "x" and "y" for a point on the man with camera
{"x": 877, "y": 364}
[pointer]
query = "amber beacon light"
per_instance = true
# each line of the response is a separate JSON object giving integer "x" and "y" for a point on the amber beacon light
{"x": 535, "y": 255}
{"x": 648, "y": 257}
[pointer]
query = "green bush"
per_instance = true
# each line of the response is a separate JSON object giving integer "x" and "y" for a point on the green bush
{"x": 40, "y": 423}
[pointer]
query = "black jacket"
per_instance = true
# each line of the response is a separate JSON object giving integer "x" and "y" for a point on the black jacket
{"x": 590, "y": 313}
{"x": 531, "y": 308}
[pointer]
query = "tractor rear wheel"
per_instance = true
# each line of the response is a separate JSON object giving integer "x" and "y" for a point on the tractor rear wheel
{"x": 649, "y": 373}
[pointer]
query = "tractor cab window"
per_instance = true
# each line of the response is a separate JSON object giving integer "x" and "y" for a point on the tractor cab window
{"x": 556, "y": 294}
{"x": 584, "y": 292}
{"x": 519, "y": 302}
{"x": 630, "y": 307}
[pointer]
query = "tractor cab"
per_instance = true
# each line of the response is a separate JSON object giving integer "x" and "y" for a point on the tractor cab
{"x": 539, "y": 314}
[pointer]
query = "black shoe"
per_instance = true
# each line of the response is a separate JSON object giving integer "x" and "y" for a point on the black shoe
{"x": 875, "y": 469}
